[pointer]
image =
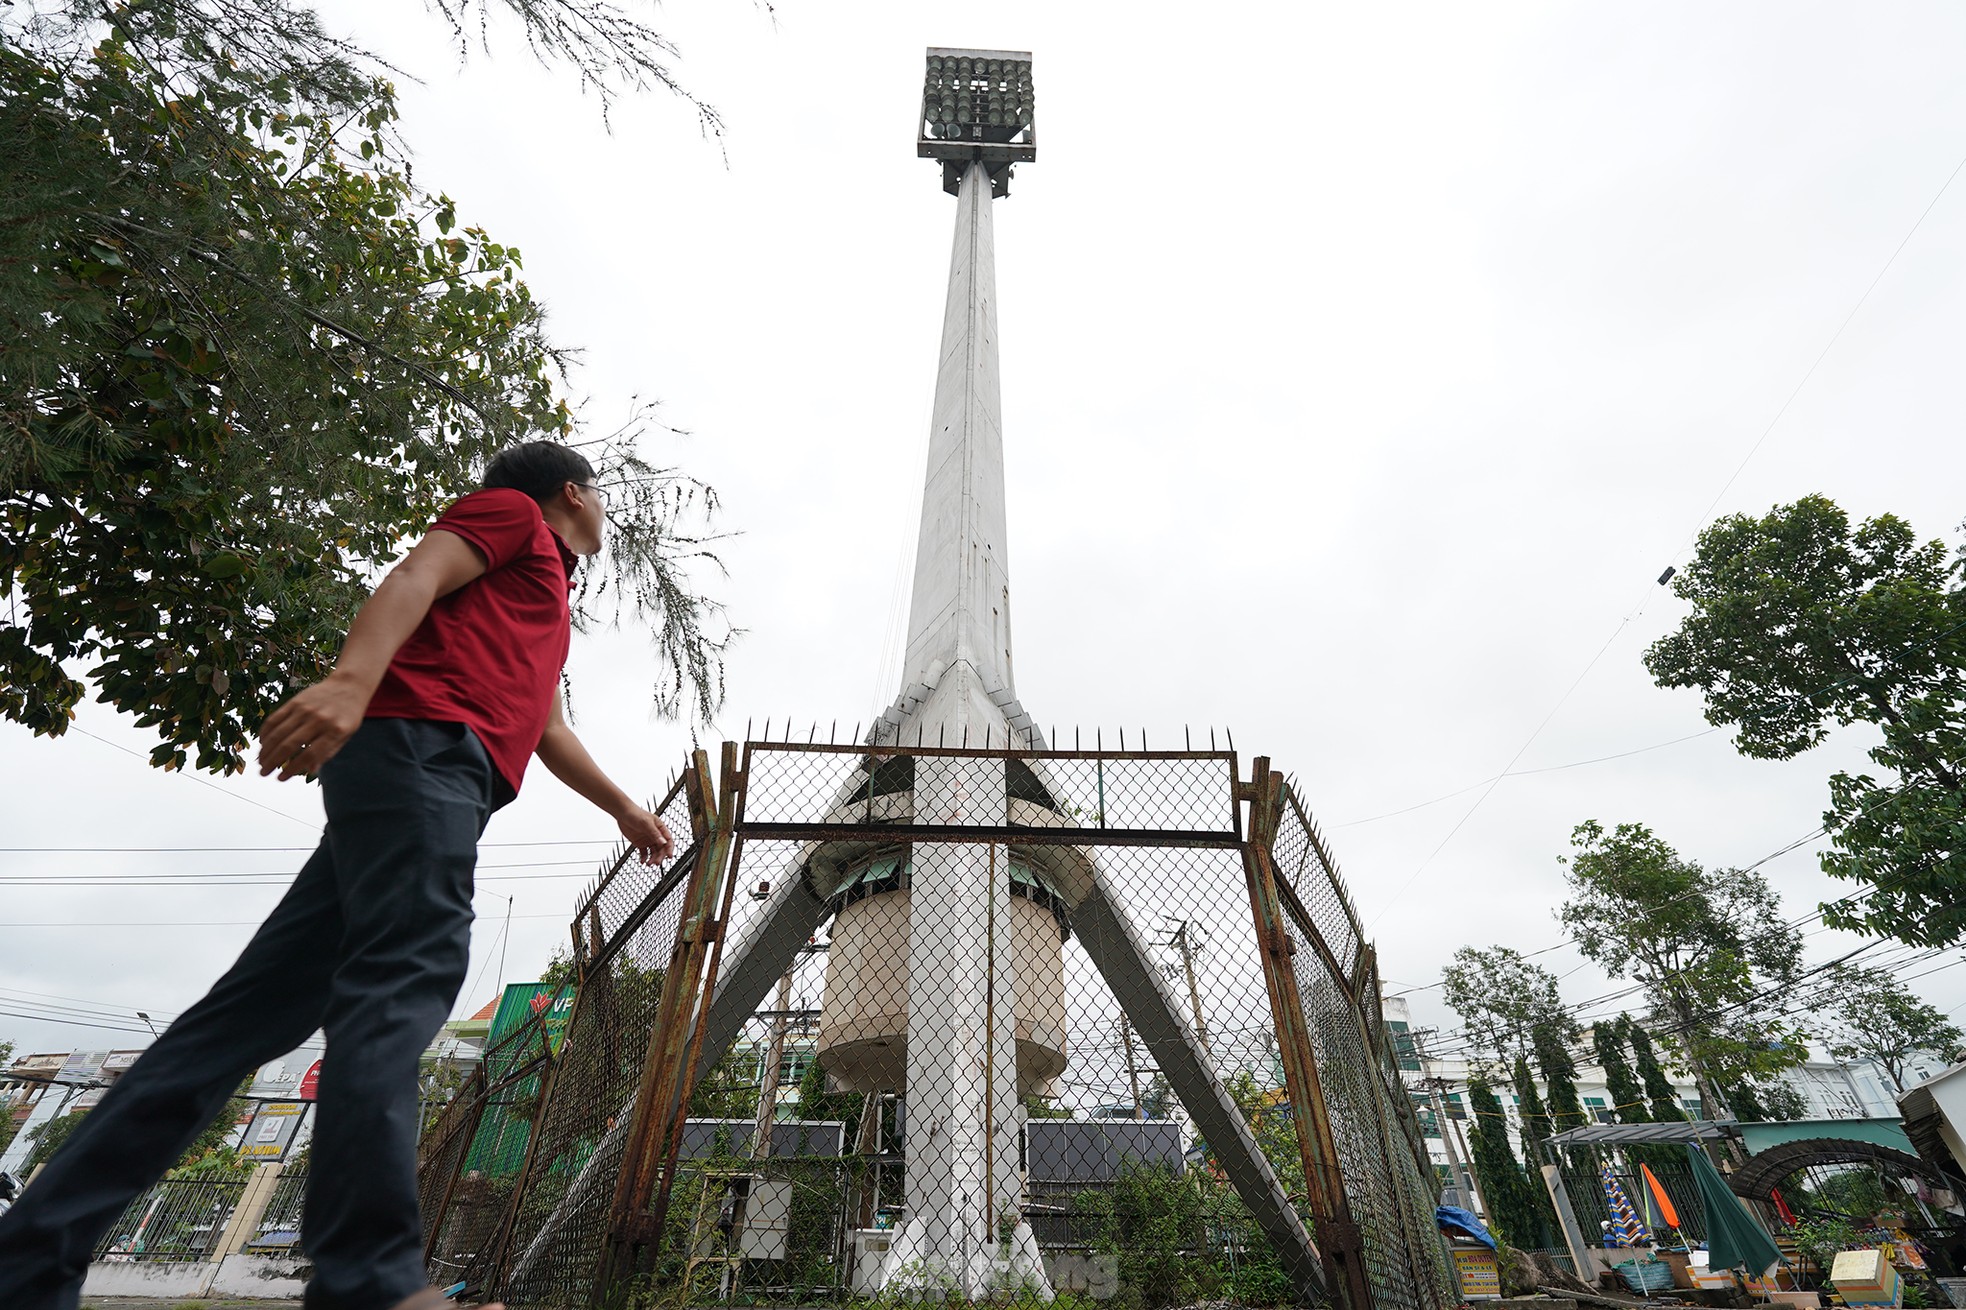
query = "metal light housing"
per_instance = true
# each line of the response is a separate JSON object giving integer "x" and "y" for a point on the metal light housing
{"x": 977, "y": 105}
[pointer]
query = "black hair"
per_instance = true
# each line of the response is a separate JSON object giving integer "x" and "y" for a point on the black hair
{"x": 538, "y": 468}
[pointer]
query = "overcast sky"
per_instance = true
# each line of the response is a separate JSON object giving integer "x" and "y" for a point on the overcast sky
{"x": 1363, "y": 366}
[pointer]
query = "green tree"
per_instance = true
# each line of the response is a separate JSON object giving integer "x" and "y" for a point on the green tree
{"x": 243, "y": 358}
{"x": 1799, "y": 621}
{"x": 1501, "y": 998}
{"x": 729, "y": 1088}
{"x": 1873, "y": 1016}
{"x": 1658, "y": 1088}
{"x": 1707, "y": 946}
{"x": 1551, "y": 1046}
{"x": 47, "y": 1137}
{"x": 1608, "y": 1038}
{"x": 1535, "y": 1115}
{"x": 1511, "y": 1198}
{"x": 815, "y": 1102}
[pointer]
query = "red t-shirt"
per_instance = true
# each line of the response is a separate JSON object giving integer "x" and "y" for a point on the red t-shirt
{"x": 489, "y": 654}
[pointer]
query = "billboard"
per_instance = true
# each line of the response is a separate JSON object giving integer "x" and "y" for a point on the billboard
{"x": 499, "y": 1148}
{"x": 271, "y": 1134}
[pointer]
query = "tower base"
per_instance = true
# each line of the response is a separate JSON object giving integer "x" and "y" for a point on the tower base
{"x": 946, "y": 1258}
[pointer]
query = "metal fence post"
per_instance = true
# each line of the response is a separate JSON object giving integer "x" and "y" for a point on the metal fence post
{"x": 1333, "y": 1228}
{"x": 668, "y": 1074}
{"x": 253, "y": 1200}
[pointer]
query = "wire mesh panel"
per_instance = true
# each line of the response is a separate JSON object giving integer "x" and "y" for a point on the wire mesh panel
{"x": 517, "y": 1174}
{"x": 1042, "y": 1005}
{"x": 1389, "y": 1196}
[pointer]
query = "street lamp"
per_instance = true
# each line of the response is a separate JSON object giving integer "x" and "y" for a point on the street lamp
{"x": 146, "y": 1023}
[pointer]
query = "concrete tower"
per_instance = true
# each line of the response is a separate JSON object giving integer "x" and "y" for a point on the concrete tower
{"x": 967, "y": 961}
{"x": 945, "y": 979}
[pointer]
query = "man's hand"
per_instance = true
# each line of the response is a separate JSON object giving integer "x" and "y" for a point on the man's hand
{"x": 305, "y": 733}
{"x": 647, "y": 834}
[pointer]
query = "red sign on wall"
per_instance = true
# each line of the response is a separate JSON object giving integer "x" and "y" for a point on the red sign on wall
{"x": 310, "y": 1083}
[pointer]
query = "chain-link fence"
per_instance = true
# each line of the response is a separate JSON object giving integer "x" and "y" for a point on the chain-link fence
{"x": 948, "y": 1023}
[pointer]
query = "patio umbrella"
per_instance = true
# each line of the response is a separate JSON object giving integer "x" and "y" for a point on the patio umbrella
{"x": 1734, "y": 1239}
{"x": 1626, "y": 1226}
{"x": 1668, "y": 1214}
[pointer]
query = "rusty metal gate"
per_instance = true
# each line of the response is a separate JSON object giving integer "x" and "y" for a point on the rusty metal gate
{"x": 933, "y": 1022}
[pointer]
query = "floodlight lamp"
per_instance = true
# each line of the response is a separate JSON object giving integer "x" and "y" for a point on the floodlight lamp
{"x": 977, "y": 107}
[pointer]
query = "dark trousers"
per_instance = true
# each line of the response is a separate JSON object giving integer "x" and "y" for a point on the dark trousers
{"x": 370, "y": 945}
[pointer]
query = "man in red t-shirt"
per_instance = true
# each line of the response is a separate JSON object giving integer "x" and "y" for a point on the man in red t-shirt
{"x": 446, "y": 685}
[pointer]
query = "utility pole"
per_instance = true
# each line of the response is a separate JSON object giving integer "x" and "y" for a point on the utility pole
{"x": 1132, "y": 1069}
{"x": 1184, "y": 942}
{"x": 768, "y": 1076}
{"x": 1436, "y": 1086}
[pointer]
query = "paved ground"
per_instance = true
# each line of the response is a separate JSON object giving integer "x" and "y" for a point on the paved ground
{"x": 177, "y": 1303}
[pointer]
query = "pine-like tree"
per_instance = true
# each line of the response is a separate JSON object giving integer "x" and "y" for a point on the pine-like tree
{"x": 1658, "y": 1088}
{"x": 1512, "y": 1208}
{"x": 1535, "y": 1117}
{"x": 1559, "y": 1072}
{"x": 1627, "y": 1093}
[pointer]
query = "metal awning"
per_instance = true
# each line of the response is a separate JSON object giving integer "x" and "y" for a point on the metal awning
{"x": 1699, "y": 1130}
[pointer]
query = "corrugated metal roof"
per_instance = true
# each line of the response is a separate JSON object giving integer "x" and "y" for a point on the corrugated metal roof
{"x": 1699, "y": 1130}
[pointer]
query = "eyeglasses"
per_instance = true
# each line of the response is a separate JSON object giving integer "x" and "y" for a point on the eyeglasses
{"x": 597, "y": 489}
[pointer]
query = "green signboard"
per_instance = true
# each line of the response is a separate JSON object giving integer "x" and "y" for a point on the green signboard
{"x": 499, "y": 1148}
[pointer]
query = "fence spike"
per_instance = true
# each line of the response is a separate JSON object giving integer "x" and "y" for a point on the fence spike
{"x": 767, "y": 736}
{"x": 812, "y": 733}
{"x": 1232, "y": 736}
{"x": 1098, "y": 738}
{"x": 1211, "y": 736}
{"x": 1187, "y": 741}
{"x": 833, "y": 734}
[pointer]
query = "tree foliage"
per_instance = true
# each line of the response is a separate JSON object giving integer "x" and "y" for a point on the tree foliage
{"x": 1873, "y": 1016}
{"x": 48, "y": 1135}
{"x": 1550, "y": 1043}
{"x": 1501, "y": 998}
{"x": 1507, "y": 1189}
{"x": 1800, "y": 621}
{"x": 243, "y": 358}
{"x": 1535, "y": 1115}
{"x": 816, "y": 1102}
{"x": 1651, "y": 1075}
{"x": 1708, "y": 946}
{"x": 1608, "y": 1038}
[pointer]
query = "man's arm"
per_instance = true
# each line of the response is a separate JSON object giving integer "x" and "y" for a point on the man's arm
{"x": 304, "y": 733}
{"x": 567, "y": 759}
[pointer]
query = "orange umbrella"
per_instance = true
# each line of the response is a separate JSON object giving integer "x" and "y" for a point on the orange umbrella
{"x": 1666, "y": 1211}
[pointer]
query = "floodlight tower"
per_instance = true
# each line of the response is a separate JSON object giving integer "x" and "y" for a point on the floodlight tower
{"x": 963, "y": 1185}
{"x": 945, "y": 979}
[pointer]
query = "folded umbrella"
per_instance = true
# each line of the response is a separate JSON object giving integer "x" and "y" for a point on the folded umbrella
{"x": 1734, "y": 1239}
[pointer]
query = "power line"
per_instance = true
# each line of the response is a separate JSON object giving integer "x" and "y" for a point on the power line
{"x": 1523, "y": 773}
{"x": 291, "y": 818}
{"x": 1705, "y": 516}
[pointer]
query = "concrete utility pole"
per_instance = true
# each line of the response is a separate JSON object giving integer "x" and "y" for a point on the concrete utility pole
{"x": 1132, "y": 1069}
{"x": 1183, "y": 942}
{"x": 1436, "y": 1087}
{"x": 768, "y": 1076}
